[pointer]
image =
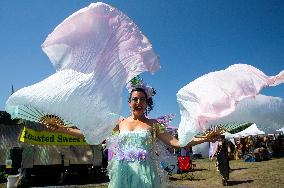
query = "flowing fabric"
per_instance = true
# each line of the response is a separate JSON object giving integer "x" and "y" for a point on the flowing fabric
{"x": 217, "y": 94}
{"x": 266, "y": 112}
{"x": 95, "y": 52}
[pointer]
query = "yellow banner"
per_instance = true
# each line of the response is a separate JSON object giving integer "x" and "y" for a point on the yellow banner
{"x": 49, "y": 138}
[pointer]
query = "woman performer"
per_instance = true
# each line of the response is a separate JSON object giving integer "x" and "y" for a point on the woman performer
{"x": 135, "y": 163}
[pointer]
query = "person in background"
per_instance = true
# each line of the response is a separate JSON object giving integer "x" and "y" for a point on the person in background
{"x": 223, "y": 159}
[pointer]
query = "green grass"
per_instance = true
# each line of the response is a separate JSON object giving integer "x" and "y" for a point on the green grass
{"x": 256, "y": 174}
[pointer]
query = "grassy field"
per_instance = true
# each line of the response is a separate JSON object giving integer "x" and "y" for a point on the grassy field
{"x": 256, "y": 174}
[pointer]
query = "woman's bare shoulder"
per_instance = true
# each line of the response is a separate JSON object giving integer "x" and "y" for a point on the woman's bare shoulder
{"x": 118, "y": 123}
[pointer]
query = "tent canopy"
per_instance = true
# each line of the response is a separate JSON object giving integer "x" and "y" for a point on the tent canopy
{"x": 252, "y": 130}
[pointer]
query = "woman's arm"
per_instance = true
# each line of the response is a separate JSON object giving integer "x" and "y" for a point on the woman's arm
{"x": 77, "y": 132}
{"x": 168, "y": 139}
{"x": 71, "y": 131}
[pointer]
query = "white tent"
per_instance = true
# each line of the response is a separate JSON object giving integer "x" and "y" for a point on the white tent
{"x": 280, "y": 130}
{"x": 228, "y": 135}
{"x": 252, "y": 130}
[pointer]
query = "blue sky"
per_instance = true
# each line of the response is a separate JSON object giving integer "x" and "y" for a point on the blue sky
{"x": 192, "y": 38}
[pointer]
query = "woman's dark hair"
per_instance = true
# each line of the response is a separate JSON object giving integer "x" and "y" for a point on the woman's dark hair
{"x": 149, "y": 101}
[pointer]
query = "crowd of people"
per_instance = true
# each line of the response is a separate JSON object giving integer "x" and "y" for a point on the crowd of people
{"x": 258, "y": 147}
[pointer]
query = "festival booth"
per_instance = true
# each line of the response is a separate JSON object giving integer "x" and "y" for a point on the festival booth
{"x": 31, "y": 147}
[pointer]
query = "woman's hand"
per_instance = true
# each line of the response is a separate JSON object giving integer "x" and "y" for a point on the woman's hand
{"x": 213, "y": 134}
{"x": 196, "y": 140}
{"x": 200, "y": 139}
{"x": 209, "y": 137}
{"x": 53, "y": 127}
{"x": 65, "y": 130}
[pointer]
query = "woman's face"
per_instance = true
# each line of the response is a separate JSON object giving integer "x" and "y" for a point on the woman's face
{"x": 138, "y": 103}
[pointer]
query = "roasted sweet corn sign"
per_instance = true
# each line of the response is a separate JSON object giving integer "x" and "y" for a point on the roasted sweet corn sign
{"x": 49, "y": 138}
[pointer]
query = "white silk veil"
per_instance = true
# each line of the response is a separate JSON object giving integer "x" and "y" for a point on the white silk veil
{"x": 216, "y": 95}
{"x": 95, "y": 52}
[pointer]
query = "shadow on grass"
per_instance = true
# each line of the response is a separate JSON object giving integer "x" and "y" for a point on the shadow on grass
{"x": 231, "y": 183}
{"x": 235, "y": 169}
{"x": 185, "y": 177}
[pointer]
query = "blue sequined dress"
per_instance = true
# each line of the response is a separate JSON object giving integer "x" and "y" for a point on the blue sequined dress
{"x": 134, "y": 163}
